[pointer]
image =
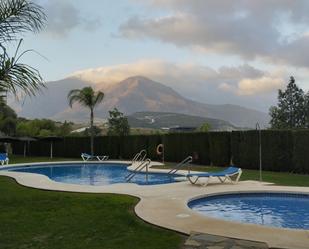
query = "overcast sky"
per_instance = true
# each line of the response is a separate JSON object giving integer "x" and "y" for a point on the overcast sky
{"x": 214, "y": 51}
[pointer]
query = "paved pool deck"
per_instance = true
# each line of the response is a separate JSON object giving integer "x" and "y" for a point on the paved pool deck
{"x": 166, "y": 206}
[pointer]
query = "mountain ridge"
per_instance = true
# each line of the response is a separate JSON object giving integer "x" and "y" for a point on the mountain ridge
{"x": 161, "y": 120}
{"x": 134, "y": 94}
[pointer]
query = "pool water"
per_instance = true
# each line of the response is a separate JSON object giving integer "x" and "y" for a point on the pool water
{"x": 95, "y": 174}
{"x": 269, "y": 209}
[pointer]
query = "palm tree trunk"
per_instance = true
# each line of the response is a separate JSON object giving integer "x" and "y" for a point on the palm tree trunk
{"x": 91, "y": 131}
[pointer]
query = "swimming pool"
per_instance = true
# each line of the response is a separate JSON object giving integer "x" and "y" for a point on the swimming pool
{"x": 269, "y": 209}
{"x": 94, "y": 174}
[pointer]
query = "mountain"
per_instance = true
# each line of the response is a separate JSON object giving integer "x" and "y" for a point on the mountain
{"x": 158, "y": 120}
{"x": 134, "y": 94}
{"x": 51, "y": 101}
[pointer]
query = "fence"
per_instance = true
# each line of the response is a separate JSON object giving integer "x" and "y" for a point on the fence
{"x": 286, "y": 150}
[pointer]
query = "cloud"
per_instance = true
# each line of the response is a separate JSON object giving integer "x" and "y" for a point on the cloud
{"x": 63, "y": 17}
{"x": 114, "y": 74}
{"x": 261, "y": 85}
{"x": 275, "y": 30}
{"x": 155, "y": 69}
{"x": 241, "y": 85}
{"x": 247, "y": 87}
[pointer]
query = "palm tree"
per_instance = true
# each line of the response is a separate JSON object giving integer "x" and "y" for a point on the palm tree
{"x": 16, "y": 17}
{"x": 87, "y": 97}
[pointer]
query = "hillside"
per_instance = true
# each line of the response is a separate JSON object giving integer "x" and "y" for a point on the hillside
{"x": 134, "y": 94}
{"x": 159, "y": 120}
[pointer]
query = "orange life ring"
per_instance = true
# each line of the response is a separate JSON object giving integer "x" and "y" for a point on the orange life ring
{"x": 160, "y": 149}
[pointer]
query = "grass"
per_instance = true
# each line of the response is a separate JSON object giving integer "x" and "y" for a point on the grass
{"x": 32, "y": 218}
{"x": 279, "y": 178}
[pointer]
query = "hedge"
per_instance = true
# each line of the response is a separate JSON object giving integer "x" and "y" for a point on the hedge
{"x": 285, "y": 150}
{"x": 277, "y": 149}
{"x": 178, "y": 147}
{"x": 301, "y": 152}
{"x": 219, "y": 148}
{"x": 245, "y": 149}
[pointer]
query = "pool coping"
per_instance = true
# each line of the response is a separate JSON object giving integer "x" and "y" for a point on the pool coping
{"x": 166, "y": 206}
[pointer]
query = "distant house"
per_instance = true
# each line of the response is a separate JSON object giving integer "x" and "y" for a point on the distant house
{"x": 182, "y": 129}
{"x": 80, "y": 130}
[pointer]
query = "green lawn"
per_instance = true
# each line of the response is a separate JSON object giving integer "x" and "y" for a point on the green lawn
{"x": 31, "y": 218}
{"x": 278, "y": 178}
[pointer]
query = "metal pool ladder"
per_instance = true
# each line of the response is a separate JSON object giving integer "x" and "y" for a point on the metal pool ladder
{"x": 140, "y": 156}
{"x": 144, "y": 164}
{"x": 184, "y": 162}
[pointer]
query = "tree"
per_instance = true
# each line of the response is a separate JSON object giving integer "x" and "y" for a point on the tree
{"x": 8, "y": 126}
{"x": 204, "y": 127}
{"x": 6, "y": 111}
{"x": 41, "y": 128}
{"x": 17, "y": 17}
{"x": 87, "y": 97}
{"x": 96, "y": 131}
{"x": 117, "y": 123}
{"x": 8, "y": 119}
{"x": 307, "y": 109}
{"x": 64, "y": 129}
{"x": 36, "y": 127}
{"x": 291, "y": 109}
{"x": 27, "y": 128}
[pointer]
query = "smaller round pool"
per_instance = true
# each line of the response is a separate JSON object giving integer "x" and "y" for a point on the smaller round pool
{"x": 281, "y": 210}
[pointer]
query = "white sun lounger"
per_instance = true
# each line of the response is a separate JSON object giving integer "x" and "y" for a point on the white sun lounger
{"x": 87, "y": 157}
{"x": 227, "y": 174}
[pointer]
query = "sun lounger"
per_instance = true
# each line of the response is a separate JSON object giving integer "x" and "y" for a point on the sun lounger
{"x": 227, "y": 174}
{"x": 87, "y": 157}
{"x": 4, "y": 158}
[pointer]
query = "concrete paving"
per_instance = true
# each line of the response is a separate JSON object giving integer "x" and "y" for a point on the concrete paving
{"x": 208, "y": 241}
{"x": 166, "y": 206}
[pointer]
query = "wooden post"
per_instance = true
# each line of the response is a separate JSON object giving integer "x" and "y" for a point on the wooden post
{"x": 25, "y": 148}
{"x": 51, "y": 149}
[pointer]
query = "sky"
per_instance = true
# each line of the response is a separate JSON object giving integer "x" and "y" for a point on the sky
{"x": 214, "y": 51}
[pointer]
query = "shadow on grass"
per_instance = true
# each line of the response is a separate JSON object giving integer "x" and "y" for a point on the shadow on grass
{"x": 32, "y": 218}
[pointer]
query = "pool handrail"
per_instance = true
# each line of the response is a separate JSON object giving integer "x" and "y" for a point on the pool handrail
{"x": 144, "y": 164}
{"x": 184, "y": 162}
{"x": 139, "y": 157}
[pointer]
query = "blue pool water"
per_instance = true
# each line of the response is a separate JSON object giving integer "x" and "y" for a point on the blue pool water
{"x": 94, "y": 174}
{"x": 269, "y": 209}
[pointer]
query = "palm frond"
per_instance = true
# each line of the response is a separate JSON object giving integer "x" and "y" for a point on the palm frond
{"x": 16, "y": 76}
{"x": 98, "y": 98}
{"x": 86, "y": 97}
{"x": 21, "y": 77}
{"x": 73, "y": 96}
{"x": 78, "y": 96}
{"x": 18, "y": 16}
